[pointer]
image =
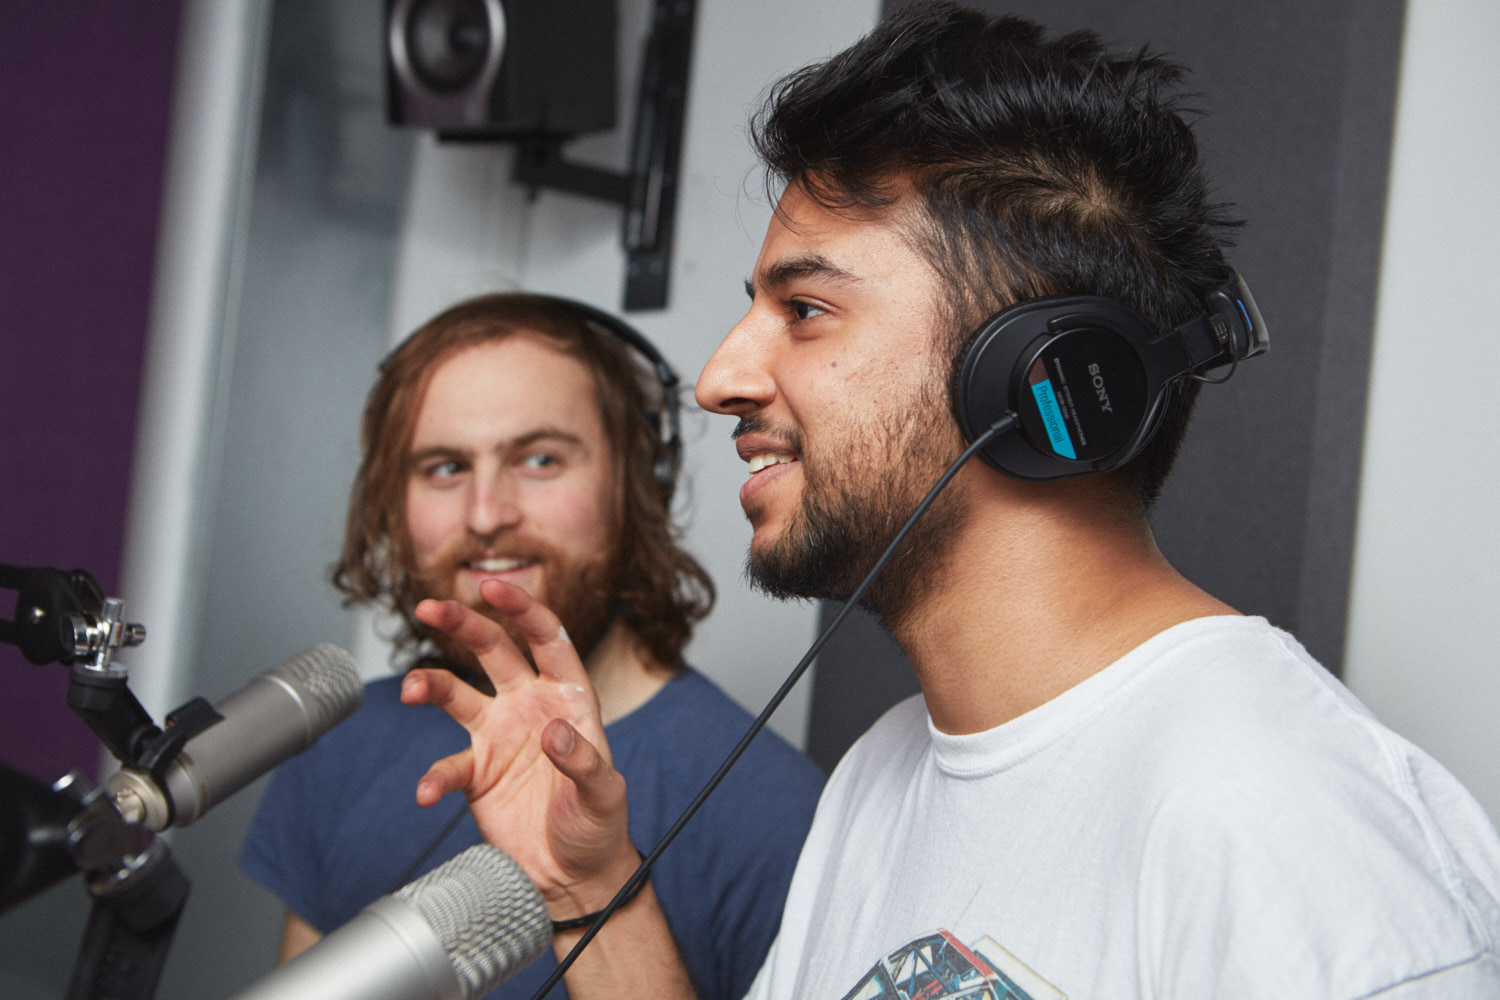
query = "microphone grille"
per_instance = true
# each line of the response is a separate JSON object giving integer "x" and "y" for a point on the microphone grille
{"x": 488, "y": 915}
{"x": 326, "y": 681}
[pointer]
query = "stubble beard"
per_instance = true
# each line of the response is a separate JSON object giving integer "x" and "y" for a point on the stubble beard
{"x": 854, "y": 500}
{"x": 582, "y": 593}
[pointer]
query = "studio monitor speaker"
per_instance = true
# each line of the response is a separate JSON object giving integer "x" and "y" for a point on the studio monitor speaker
{"x": 501, "y": 68}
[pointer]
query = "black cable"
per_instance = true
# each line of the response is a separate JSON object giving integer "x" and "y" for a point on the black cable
{"x": 633, "y": 884}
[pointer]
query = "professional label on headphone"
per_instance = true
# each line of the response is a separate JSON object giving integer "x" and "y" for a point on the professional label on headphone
{"x": 1052, "y": 415}
{"x": 1088, "y": 387}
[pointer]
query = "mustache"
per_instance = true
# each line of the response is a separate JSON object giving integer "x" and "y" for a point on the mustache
{"x": 468, "y": 549}
{"x": 757, "y": 423}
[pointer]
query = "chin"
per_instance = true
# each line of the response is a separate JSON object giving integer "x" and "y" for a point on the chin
{"x": 767, "y": 529}
{"x": 761, "y": 543}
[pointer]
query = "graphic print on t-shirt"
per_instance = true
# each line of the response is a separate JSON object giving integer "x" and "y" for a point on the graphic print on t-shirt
{"x": 940, "y": 967}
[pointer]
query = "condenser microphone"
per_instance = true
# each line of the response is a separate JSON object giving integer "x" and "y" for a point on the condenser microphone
{"x": 277, "y": 715}
{"x": 454, "y": 934}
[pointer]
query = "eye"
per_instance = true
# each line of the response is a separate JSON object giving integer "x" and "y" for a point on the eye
{"x": 804, "y": 310}
{"x": 540, "y": 461}
{"x": 445, "y": 469}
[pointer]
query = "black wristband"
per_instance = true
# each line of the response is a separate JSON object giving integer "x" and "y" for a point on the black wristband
{"x": 588, "y": 919}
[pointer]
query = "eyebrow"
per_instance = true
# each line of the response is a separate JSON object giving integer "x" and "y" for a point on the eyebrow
{"x": 789, "y": 269}
{"x": 525, "y": 440}
{"x": 546, "y": 434}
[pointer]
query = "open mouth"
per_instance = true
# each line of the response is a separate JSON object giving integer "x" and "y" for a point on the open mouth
{"x": 766, "y": 467}
{"x": 497, "y": 564}
{"x": 767, "y": 459}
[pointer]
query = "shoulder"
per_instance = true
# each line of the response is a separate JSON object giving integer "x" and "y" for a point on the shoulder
{"x": 1240, "y": 726}
{"x": 1274, "y": 793}
{"x": 1236, "y": 696}
{"x": 1237, "y": 709}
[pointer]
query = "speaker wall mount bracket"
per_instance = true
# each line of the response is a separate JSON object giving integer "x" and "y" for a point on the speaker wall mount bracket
{"x": 531, "y": 108}
{"x": 648, "y": 191}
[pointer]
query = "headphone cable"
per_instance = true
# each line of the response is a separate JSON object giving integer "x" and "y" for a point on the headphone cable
{"x": 633, "y": 885}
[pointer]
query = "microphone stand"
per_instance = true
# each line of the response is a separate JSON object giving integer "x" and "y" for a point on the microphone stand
{"x": 138, "y": 891}
{"x": 136, "y": 905}
{"x": 47, "y": 834}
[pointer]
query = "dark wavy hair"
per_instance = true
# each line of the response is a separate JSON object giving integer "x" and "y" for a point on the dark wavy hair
{"x": 1039, "y": 167}
{"x": 664, "y": 591}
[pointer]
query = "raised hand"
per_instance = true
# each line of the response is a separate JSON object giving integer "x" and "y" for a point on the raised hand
{"x": 538, "y": 774}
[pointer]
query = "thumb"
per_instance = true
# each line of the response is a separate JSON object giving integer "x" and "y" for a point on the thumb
{"x": 601, "y": 789}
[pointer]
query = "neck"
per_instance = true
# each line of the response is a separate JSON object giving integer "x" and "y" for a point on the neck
{"x": 624, "y": 675}
{"x": 1045, "y": 586}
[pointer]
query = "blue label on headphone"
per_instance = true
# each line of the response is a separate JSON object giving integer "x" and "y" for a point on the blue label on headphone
{"x": 1052, "y": 418}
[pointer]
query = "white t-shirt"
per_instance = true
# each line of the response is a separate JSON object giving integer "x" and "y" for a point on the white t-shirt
{"x": 1213, "y": 815}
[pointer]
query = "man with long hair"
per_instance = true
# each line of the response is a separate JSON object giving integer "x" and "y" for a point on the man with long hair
{"x": 1113, "y": 784}
{"x": 521, "y": 438}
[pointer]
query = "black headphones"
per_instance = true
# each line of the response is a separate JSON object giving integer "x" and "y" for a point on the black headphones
{"x": 668, "y": 423}
{"x": 1087, "y": 377}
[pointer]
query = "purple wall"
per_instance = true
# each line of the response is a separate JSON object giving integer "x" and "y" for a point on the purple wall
{"x": 85, "y": 95}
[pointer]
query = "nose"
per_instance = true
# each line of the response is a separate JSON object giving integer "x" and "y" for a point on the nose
{"x": 493, "y": 505}
{"x": 737, "y": 379}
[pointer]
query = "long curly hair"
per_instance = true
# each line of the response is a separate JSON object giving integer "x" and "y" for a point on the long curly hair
{"x": 664, "y": 590}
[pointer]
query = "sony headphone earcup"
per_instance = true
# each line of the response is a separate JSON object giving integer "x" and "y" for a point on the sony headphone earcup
{"x": 1075, "y": 371}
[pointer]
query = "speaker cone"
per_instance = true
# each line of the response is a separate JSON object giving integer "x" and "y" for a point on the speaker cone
{"x": 448, "y": 42}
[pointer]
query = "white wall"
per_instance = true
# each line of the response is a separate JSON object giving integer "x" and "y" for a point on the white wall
{"x": 216, "y": 101}
{"x": 467, "y": 229}
{"x": 1425, "y": 603}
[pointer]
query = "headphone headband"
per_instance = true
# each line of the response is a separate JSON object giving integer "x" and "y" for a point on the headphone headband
{"x": 668, "y": 423}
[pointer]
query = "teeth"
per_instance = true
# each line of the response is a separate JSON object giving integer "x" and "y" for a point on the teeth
{"x": 769, "y": 459}
{"x": 497, "y": 565}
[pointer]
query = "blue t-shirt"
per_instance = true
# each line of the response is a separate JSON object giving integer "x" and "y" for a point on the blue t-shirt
{"x": 340, "y": 827}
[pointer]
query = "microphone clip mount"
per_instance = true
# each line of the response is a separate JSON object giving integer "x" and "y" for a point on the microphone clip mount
{"x": 64, "y": 617}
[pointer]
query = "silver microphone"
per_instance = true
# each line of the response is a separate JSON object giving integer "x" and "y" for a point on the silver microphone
{"x": 277, "y": 715}
{"x": 454, "y": 934}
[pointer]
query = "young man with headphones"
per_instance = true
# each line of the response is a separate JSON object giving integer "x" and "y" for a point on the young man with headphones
{"x": 535, "y": 441}
{"x": 1113, "y": 784}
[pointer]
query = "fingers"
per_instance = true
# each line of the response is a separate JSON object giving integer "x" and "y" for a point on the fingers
{"x": 451, "y": 774}
{"x": 550, "y": 646}
{"x": 463, "y": 704}
{"x": 502, "y": 662}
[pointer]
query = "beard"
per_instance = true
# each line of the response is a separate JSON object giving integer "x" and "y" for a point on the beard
{"x": 582, "y": 593}
{"x": 857, "y": 493}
